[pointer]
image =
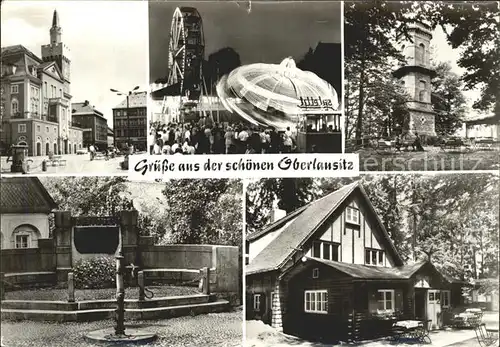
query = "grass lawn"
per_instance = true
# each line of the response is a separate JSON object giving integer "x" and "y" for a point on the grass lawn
{"x": 432, "y": 159}
{"x": 58, "y": 294}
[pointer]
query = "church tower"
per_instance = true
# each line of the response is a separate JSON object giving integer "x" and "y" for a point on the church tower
{"x": 57, "y": 51}
{"x": 416, "y": 76}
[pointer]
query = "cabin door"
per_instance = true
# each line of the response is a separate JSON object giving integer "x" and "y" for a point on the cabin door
{"x": 434, "y": 307}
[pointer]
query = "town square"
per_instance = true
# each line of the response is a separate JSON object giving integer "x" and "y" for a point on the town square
{"x": 58, "y": 114}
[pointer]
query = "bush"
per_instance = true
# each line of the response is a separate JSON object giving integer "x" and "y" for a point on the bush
{"x": 95, "y": 273}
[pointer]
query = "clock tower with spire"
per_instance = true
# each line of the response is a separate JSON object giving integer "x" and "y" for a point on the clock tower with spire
{"x": 57, "y": 51}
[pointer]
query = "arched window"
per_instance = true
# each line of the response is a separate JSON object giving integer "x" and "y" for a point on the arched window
{"x": 25, "y": 236}
{"x": 422, "y": 95}
{"x": 421, "y": 54}
{"x": 15, "y": 106}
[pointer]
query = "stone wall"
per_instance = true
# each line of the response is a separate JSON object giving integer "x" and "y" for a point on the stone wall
{"x": 58, "y": 255}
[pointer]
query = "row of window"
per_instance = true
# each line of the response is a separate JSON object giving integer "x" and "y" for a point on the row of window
{"x": 136, "y": 112}
{"x": 331, "y": 251}
{"x": 316, "y": 301}
{"x": 132, "y": 122}
{"x": 132, "y": 132}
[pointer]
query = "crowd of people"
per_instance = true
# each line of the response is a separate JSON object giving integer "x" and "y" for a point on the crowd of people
{"x": 208, "y": 137}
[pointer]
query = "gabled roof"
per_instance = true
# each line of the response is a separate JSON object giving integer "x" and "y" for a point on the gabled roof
{"x": 275, "y": 225}
{"x": 84, "y": 108}
{"x": 135, "y": 100}
{"x": 24, "y": 195}
{"x": 45, "y": 66}
{"x": 307, "y": 222}
{"x": 16, "y": 50}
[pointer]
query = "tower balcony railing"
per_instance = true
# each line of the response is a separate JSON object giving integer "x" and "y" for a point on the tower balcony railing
{"x": 59, "y": 100}
{"x": 26, "y": 115}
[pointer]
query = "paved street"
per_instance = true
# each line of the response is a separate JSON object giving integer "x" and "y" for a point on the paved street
{"x": 75, "y": 164}
{"x": 214, "y": 329}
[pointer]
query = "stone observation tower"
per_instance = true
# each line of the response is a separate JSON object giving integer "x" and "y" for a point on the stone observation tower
{"x": 416, "y": 77}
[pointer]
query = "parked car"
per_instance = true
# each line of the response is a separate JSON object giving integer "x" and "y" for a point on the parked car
{"x": 82, "y": 151}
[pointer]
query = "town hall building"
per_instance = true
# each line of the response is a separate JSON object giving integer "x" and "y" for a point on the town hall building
{"x": 36, "y": 98}
{"x": 329, "y": 271}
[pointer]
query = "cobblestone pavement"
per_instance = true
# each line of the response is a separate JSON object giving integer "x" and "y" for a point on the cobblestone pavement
{"x": 214, "y": 329}
{"x": 75, "y": 164}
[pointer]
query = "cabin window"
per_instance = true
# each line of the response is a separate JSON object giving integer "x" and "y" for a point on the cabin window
{"x": 386, "y": 299}
{"x": 352, "y": 215}
{"x": 22, "y": 241}
{"x": 374, "y": 257}
{"x": 315, "y": 301}
{"x": 316, "y": 273}
{"x": 445, "y": 298}
{"x": 256, "y": 302}
{"x": 325, "y": 250}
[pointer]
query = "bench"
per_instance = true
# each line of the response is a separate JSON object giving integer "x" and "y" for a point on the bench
{"x": 56, "y": 160}
{"x": 485, "y": 144}
{"x": 452, "y": 143}
{"x": 485, "y": 337}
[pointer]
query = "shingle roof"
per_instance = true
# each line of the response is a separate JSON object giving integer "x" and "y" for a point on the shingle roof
{"x": 277, "y": 224}
{"x": 358, "y": 271}
{"x": 135, "y": 100}
{"x": 303, "y": 227}
{"x": 278, "y": 250}
{"x": 24, "y": 195}
{"x": 18, "y": 49}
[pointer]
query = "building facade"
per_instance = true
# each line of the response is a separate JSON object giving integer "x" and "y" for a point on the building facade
{"x": 130, "y": 122}
{"x": 415, "y": 76}
{"x": 329, "y": 268}
{"x": 26, "y": 206}
{"x": 93, "y": 122}
{"x": 36, "y": 98}
{"x": 111, "y": 137}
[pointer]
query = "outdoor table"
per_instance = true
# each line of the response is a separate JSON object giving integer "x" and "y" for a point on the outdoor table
{"x": 408, "y": 324}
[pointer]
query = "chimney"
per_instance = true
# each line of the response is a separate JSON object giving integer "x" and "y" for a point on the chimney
{"x": 277, "y": 214}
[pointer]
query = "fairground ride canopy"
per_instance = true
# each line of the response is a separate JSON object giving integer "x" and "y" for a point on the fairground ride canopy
{"x": 275, "y": 95}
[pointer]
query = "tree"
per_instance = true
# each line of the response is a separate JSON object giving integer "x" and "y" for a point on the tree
{"x": 447, "y": 99}
{"x": 90, "y": 195}
{"x": 474, "y": 27}
{"x": 269, "y": 193}
{"x": 195, "y": 212}
{"x": 370, "y": 31}
{"x": 220, "y": 63}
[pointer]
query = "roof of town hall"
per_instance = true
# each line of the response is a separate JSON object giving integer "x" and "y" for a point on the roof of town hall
{"x": 24, "y": 195}
{"x": 302, "y": 224}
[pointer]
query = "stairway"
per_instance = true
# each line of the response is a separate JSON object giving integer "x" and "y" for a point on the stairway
{"x": 156, "y": 308}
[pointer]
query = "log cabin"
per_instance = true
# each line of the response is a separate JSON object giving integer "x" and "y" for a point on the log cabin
{"x": 330, "y": 272}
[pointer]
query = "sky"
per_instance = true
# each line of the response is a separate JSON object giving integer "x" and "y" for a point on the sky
{"x": 271, "y": 32}
{"x": 107, "y": 40}
{"x": 442, "y": 51}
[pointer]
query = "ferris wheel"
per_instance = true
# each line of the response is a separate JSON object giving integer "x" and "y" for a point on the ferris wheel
{"x": 186, "y": 52}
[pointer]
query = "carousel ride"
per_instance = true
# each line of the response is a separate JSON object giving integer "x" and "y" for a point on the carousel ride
{"x": 269, "y": 95}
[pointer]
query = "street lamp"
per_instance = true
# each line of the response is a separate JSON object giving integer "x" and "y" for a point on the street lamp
{"x": 128, "y": 115}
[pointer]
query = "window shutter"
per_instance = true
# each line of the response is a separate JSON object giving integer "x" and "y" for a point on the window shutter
{"x": 263, "y": 303}
{"x": 249, "y": 306}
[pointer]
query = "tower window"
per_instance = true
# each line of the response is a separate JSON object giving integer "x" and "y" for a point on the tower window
{"x": 421, "y": 54}
{"x": 15, "y": 106}
{"x": 14, "y": 89}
